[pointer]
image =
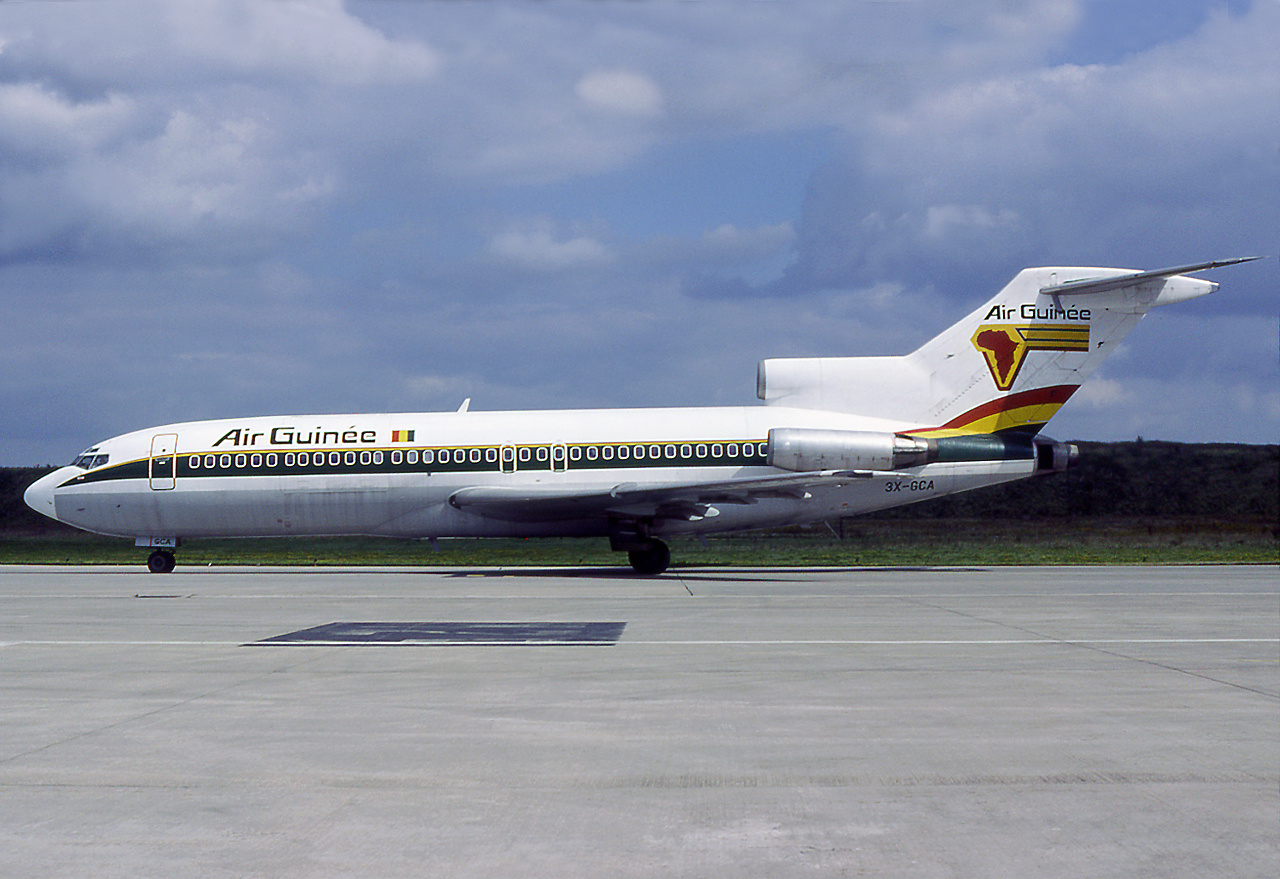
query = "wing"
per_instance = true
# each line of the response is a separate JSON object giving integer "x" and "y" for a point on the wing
{"x": 671, "y": 500}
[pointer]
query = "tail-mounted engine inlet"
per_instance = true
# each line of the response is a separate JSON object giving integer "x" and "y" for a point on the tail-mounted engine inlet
{"x": 802, "y": 450}
{"x": 1054, "y": 457}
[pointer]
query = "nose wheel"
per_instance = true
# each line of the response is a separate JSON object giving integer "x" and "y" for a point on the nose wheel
{"x": 161, "y": 562}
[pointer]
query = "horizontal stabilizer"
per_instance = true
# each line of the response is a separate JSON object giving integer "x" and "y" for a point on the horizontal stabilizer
{"x": 1101, "y": 285}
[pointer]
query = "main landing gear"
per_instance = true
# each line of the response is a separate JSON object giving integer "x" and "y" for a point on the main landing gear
{"x": 650, "y": 559}
{"x": 161, "y": 562}
{"x": 648, "y": 555}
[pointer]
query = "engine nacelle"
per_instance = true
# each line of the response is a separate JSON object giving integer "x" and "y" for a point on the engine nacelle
{"x": 803, "y": 450}
{"x": 1054, "y": 457}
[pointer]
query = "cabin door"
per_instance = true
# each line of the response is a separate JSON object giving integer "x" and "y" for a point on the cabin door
{"x": 163, "y": 465}
{"x": 559, "y": 458}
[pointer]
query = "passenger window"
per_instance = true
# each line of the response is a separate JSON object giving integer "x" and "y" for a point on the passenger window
{"x": 428, "y": 457}
{"x": 592, "y": 453}
{"x": 669, "y": 451}
{"x": 255, "y": 461}
{"x": 575, "y": 453}
{"x": 366, "y": 458}
{"x": 638, "y": 453}
{"x": 733, "y": 450}
{"x": 702, "y": 450}
{"x": 335, "y": 458}
{"x": 412, "y": 456}
{"x": 289, "y": 459}
{"x": 210, "y": 462}
{"x": 377, "y": 457}
{"x": 542, "y": 453}
{"x": 607, "y": 453}
{"x": 524, "y": 454}
{"x": 624, "y": 452}
{"x": 240, "y": 460}
{"x": 397, "y": 456}
{"x": 475, "y": 456}
{"x": 686, "y": 450}
{"x": 491, "y": 455}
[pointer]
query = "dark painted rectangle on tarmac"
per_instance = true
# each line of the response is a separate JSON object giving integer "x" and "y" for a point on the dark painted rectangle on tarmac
{"x": 533, "y": 633}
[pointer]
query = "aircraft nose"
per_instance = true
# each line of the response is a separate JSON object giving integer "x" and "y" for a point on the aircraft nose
{"x": 39, "y": 495}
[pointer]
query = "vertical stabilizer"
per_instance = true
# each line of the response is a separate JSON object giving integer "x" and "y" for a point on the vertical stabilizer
{"x": 1007, "y": 366}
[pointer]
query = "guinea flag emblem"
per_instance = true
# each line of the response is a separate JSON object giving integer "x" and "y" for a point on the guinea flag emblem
{"x": 402, "y": 436}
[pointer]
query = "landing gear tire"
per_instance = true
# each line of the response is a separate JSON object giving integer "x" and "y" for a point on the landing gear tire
{"x": 651, "y": 559}
{"x": 161, "y": 562}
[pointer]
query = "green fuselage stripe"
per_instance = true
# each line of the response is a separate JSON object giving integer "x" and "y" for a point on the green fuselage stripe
{"x": 442, "y": 459}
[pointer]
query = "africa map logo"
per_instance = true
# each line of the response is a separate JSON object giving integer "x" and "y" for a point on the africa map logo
{"x": 1005, "y": 346}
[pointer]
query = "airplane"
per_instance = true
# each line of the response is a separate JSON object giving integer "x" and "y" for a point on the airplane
{"x": 836, "y": 436}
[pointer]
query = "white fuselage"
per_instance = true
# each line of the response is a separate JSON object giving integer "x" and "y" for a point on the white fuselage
{"x": 394, "y": 474}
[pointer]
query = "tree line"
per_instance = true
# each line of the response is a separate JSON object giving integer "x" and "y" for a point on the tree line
{"x": 1136, "y": 479}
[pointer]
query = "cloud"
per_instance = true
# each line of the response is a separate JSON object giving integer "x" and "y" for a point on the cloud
{"x": 162, "y": 45}
{"x": 946, "y": 221}
{"x": 725, "y": 247}
{"x": 533, "y": 247}
{"x": 136, "y": 128}
{"x": 620, "y": 91}
{"x": 319, "y": 206}
{"x": 316, "y": 39}
{"x": 38, "y": 125}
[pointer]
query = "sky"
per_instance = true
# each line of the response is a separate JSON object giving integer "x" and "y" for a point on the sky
{"x": 221, "y": 208}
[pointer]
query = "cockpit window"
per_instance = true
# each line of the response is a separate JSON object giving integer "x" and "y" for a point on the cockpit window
{"x": 90, "y": 459}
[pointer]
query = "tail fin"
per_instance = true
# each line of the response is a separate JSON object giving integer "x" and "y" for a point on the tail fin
{"x": 1008, "y": 366}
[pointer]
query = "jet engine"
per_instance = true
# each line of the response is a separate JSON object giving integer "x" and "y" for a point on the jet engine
{"x": 1054, "y": 457}
{"x": 803, "y": 449}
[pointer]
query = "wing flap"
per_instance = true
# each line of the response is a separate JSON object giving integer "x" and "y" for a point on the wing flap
{"x": 673, "y": 500}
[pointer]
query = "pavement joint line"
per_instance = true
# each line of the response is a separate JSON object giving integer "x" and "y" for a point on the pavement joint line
{"x": 196, "y": 697}
{"x": 366, "y": 596}
{"x": 693, "y": 642}
{"x": 1096, "y": 646}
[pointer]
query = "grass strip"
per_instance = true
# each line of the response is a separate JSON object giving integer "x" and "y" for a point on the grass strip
{"x": 872, "y": 543}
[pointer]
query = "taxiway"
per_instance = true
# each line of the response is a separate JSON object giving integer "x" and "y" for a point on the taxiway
{"x": 992, "y": 722}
